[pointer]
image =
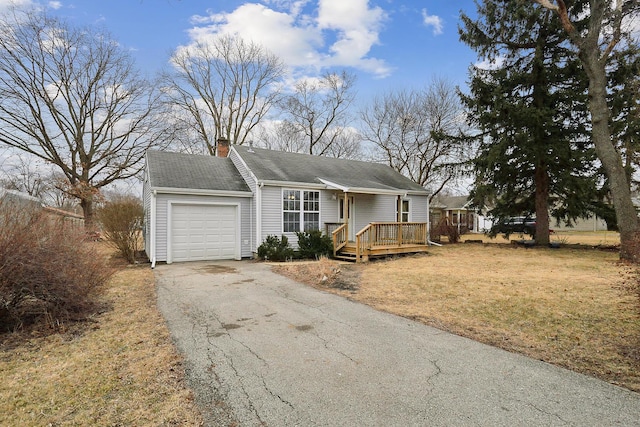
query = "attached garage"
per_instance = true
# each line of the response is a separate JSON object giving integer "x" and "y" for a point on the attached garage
{"x": 202, "y": 232}
{"x": 197, "y": 208}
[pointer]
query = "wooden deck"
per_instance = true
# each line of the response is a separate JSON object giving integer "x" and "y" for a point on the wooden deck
{"x": 380, "y": 239}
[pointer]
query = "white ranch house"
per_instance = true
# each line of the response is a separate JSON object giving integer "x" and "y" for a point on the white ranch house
{"x": 211, "y": 208}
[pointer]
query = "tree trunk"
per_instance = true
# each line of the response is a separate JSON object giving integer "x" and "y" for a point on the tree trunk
{"x": 626, "y": 214}
{"x": 87, "y": 210}
{"x": 542, "y": 204}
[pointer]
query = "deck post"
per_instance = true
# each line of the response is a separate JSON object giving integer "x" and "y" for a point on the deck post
{"x": 400, "y": 234}
{"x": 346, "y": 213}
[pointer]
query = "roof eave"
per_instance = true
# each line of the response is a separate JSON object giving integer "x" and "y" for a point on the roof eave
{"x": 391, "y": 192}
{"x": 201, "y": 192}
{"x": 311, "y": 185}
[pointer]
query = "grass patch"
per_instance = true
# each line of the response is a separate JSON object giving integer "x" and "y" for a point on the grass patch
{"x": 576, "y": 238}
{"x": 575, "y": 308}
{"x": 120, "y": 368}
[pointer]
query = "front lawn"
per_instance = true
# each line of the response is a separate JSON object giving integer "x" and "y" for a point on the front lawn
{"x": 576, "y": 308}
{"x": 119, "y": 368}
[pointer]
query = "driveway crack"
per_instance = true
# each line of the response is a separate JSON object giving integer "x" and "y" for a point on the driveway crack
{"x": 266, "y": 387}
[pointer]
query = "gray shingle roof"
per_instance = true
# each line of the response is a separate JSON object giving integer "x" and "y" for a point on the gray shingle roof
{"x": 18, "y": 197}
{"x": 177, "y": 170}
{"x": 451, "y": 202}
{"x": 270, "y": 165}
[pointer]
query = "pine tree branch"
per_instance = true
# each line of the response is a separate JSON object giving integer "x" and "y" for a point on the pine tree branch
{"x": 561, "y": 9}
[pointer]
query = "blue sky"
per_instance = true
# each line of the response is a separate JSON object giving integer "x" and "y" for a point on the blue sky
{"x": 389, "y": 44}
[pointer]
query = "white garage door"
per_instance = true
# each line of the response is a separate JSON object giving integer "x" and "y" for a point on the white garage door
{"x": 203, "y": 232}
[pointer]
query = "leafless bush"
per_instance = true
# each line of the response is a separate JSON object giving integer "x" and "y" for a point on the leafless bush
{"x": 121, "y": 221}
{"x": 444, "y": 229}
{"x": 48, "y": 273}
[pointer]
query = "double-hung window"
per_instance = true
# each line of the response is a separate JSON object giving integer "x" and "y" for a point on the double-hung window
{"x": 300, "y": 210}
{"x": 404, "y": 212}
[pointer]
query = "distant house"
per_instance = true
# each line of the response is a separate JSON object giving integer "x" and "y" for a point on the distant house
{"x": 592, "y": 223}
{"x": 69, "y": 218}
{"x": 455, "y": 211}
{"x": 19, "y": 199}
{"x": 223, "y": 207}
{"x": 26, "y": 201}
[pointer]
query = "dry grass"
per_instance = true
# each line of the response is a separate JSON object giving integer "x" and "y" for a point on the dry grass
{"x": 121, "y": 369}
{"x": 585, "y": 238}
{"x": 575, "y": 308}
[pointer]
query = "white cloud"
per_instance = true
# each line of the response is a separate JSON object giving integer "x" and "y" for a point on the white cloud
{"x": 277, "y": 31}
{"x": 494, "y": 64}
{"x": 304, "y": 33}
{"x": 432, "y": 21}
{"x": 5, "y": 4}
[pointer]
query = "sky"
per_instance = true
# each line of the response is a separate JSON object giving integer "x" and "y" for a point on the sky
{"x": 387, "y": 44}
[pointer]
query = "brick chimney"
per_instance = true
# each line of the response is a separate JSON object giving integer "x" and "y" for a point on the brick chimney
{"x": 222, "y": 147}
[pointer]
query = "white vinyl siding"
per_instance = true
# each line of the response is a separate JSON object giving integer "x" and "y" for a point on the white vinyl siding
{"x": 330, "y": 207}
{"x": 271, "y": 212}
{"x": 374, "y": 208}
{"x": 253, "y": 186}
{"x": 419, "y": 206}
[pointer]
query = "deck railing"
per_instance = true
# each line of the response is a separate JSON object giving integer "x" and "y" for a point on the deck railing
{"x": 338, "y": 235}
{"x": 330, "y": 227}
{"x": 379, "y": 234}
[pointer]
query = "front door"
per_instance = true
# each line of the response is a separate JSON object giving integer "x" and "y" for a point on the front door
{"x": 346, "y": 210}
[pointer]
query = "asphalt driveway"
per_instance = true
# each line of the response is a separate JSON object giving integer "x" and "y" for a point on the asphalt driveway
{"x": 263, "y": 350}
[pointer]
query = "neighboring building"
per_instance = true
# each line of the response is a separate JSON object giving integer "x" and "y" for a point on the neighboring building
{"x": 71, "y": 219}
{"x": 18, "y": 198}
{"x": 26, "y": 201}
{"x": 207, "y": 208}
{"x": 592, "y": 223}
{"x": 456, "y": 211}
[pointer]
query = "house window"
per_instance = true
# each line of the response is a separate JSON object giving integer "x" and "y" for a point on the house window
{"x": 300, "y": 210}
{"x": 404, "y": 212}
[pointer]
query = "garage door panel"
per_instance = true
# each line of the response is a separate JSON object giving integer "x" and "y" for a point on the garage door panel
{"x": 203, "y": 232}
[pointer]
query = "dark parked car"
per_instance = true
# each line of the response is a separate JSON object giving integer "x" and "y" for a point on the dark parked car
{"x": 515, "y": 225}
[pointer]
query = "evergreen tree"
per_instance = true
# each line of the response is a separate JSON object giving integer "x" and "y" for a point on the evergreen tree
{"x": 624, "y": 99}
{"x": 608, "y": 25}
{"x": 529, "y": 105}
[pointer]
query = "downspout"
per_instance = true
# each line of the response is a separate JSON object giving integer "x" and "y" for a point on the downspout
{"x": 429, "y": 242}
{"x": 346, "y": 213}
{"x": 153, "y": 228}
{"x": 258, "y": 212}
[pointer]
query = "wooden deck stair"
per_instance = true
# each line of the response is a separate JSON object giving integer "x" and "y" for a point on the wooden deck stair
{"x": 380, "y": 240}
{"x": 349, "y": 253}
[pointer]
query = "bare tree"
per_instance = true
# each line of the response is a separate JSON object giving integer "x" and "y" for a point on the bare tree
{"x": 595, "y": 45}
{"x": 286, "y": 136}
{"x": 282, "y": 136}
{"x": 414, "y": 132}
{"x": 318, "y": 110}
{"x": 29, "y": 175}
{"x": 222, "y": 89}
{"x": 25, "y": 176}
{"x": 72, "y": 97}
